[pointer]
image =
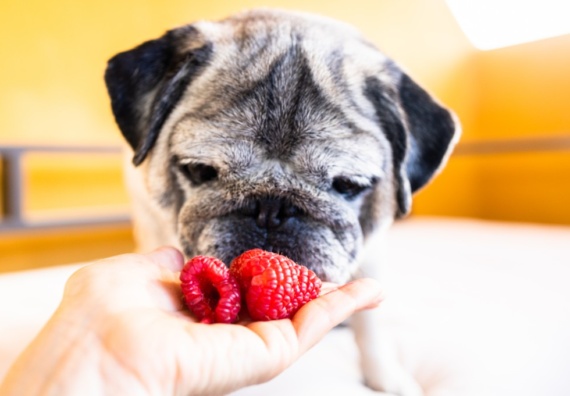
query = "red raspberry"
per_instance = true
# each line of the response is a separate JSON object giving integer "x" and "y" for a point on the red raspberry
{"x": 274, "y": 286}
{"x": 210, "y": 291}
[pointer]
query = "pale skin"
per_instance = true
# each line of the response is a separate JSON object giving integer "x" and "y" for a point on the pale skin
{"x": 121, "y": 328}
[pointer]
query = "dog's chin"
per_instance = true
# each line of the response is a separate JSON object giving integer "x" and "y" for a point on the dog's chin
{"x": 315, "y": 247}
{"x": 327, "y": 271}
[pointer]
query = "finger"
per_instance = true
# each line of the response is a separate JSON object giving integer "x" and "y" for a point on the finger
{"x": 328, "y": 287}
{"x": 167, "y": 257}
{"x": 319, "y": 316}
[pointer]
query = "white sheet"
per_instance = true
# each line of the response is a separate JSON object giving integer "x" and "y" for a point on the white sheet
{"x": 477, "y": 308}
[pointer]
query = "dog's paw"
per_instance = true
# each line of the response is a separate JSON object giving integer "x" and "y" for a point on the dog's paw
{"x": 392, "y": 379}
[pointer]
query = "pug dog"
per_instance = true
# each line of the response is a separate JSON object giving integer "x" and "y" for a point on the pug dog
{"x": 282, "y": 131}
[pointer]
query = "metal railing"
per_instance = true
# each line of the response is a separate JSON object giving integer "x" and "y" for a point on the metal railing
{"x": 13, "y": 192}
{"x": 531, "y": 144}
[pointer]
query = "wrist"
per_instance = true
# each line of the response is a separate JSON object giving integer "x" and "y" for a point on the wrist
{"x": 55, "y": 354}
{"x": 66, "y": 358}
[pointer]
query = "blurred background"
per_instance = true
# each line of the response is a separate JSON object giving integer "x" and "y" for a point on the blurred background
{"x": 63, "y": 199}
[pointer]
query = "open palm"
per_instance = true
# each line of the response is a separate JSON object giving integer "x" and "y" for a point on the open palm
{"x": 122, "y": 329}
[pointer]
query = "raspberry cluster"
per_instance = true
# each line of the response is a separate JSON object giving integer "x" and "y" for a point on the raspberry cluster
{"x": 270, "y": 286}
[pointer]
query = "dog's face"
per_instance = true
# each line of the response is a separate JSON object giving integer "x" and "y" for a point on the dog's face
{"x": 276, "y": 130}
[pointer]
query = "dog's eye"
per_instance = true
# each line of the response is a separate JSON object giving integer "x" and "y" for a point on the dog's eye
{"x": 199, "y": 173}
{"x": 348, "y": 188}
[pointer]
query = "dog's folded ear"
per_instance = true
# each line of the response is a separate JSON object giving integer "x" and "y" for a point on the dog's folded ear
{"x": 421, "y": 132}
{"x": 146, "y": 82}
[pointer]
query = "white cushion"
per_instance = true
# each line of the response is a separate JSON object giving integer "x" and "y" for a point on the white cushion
{"x": 476, "y": 307}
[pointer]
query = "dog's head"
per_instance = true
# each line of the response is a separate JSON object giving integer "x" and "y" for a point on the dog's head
{"x": 276, "y": 130}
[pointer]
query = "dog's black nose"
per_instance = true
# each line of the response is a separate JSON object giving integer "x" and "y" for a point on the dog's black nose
{"x": 271, "y": 212}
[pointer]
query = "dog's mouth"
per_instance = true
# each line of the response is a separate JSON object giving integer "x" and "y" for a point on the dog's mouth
{"x": 305, "y": 242}
{"x": 323, "y": 240}
{"x": 272, "y": 241}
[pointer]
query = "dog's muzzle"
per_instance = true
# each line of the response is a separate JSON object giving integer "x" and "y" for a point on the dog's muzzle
{"x": 270, "y": 212}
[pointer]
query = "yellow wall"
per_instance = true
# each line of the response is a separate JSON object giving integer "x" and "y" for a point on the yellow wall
{"x": 54, "y": 53}
{"x": 51, "y": 92}
{"x": 525, "y": 89}
{"x": 36, "y": 249}
{"x": 522, "y": 92}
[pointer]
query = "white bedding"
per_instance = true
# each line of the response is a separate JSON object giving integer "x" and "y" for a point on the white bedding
{"x": 479, "y": 308}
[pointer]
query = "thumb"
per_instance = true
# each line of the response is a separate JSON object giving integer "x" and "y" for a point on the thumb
{"x": 167, "y": 257}
{"x": 319, "y": 316}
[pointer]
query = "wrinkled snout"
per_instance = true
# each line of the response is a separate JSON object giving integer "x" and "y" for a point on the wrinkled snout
{"x": 271, "y": 212}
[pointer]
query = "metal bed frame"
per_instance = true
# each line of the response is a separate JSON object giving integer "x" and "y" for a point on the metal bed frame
{"x": 13, "y": 191}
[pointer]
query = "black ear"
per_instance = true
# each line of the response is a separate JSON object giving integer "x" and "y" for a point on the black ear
{"x": 146, "y": 82}
{"x": 421, "y": 132}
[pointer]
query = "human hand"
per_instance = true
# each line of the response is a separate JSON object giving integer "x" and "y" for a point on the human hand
{"x": 121, "y": 328}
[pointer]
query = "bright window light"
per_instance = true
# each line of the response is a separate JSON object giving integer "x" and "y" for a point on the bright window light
{"x": 491, "y": 24}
